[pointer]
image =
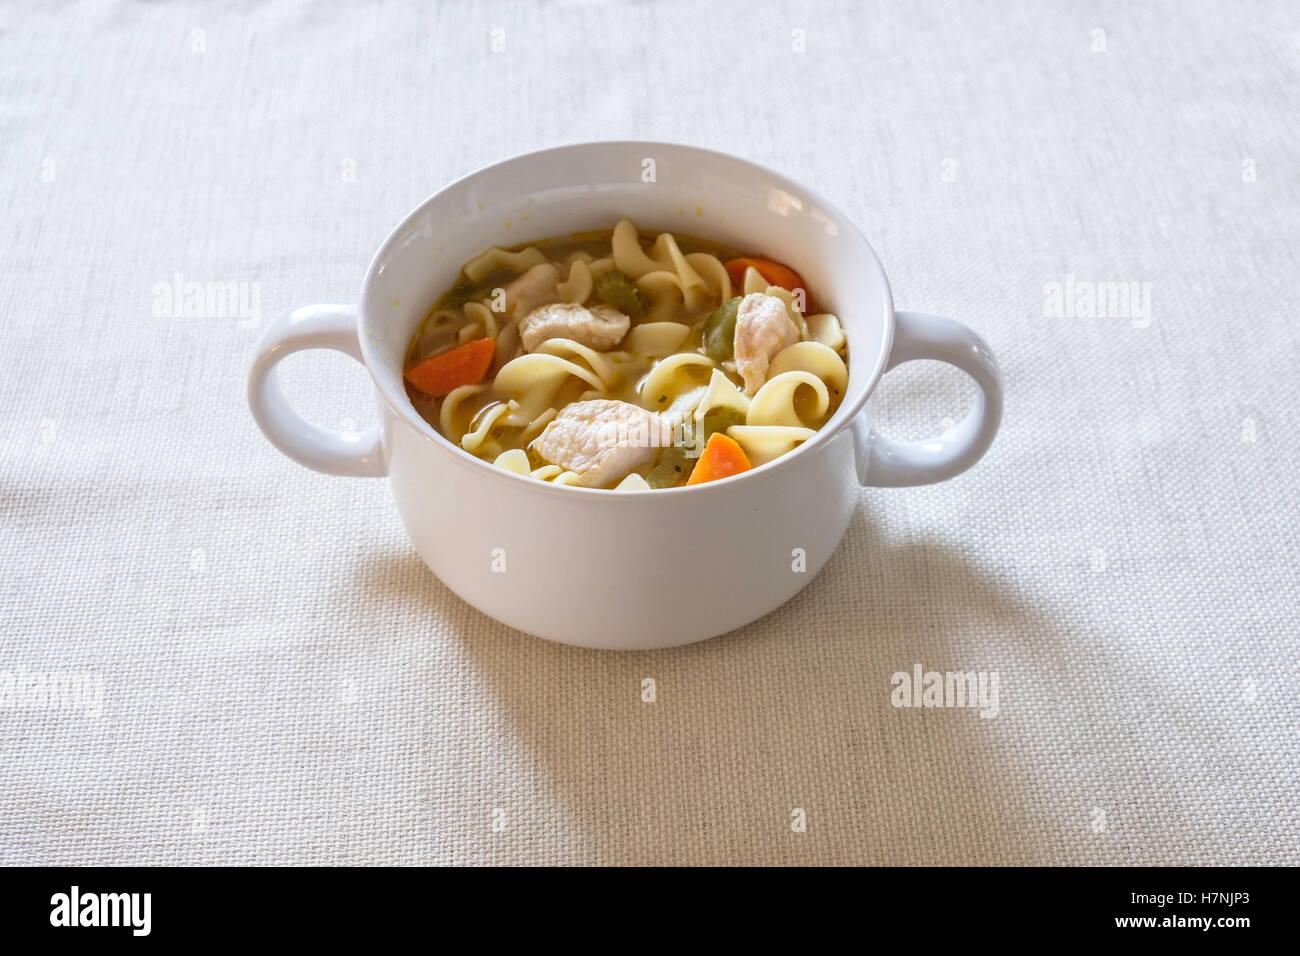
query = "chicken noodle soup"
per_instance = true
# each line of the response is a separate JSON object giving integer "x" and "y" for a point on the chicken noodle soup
{"x": 613, "y": 360}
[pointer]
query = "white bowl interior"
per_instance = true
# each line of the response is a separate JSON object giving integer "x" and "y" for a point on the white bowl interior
{"x": 591, "y": 186}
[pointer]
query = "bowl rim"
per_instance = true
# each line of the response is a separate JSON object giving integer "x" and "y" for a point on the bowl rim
{"x": 421, "y": 427}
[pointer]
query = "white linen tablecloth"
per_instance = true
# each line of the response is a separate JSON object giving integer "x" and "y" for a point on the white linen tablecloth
{"x": 257, "y": 666}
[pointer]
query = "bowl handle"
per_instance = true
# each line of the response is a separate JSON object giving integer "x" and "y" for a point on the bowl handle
{"x": 886, "y": 463}
{"x": 324, "y": 449}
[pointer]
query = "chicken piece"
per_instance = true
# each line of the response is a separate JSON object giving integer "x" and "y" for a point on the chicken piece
{"x": 599, "y": 327}
{"x": 603, "y": 441}
{"x": 535, "y": 287}
{"x": 763, "y": 328}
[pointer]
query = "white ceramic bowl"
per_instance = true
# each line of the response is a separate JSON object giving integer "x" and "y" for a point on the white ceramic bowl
{"x": 619, "y": 569}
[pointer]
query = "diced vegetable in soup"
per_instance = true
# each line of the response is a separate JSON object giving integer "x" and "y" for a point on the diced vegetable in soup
{"x": 617, "y": 360}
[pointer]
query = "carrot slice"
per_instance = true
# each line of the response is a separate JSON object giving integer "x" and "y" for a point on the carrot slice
{"x": 440, "y": 374}
{"x": 721, "y": 458}
{"x": 776, "y": 274}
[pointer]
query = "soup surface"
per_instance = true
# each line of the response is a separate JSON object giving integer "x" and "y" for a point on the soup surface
{"x": 616, "y": 360}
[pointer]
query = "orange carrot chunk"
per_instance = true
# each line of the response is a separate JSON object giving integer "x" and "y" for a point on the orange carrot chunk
{"x": 440, "y": 374}
{"x": 721, "y": 458}
{"x": 775, "y": 274}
